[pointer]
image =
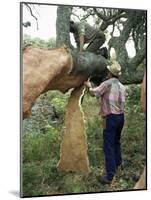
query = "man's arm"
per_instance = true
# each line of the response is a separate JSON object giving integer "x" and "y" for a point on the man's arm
{"x": 89, "y": 86}
{"x": 81, "y": 31}
{"x": 81, "y": 42}
{"x": 98, "y": 91}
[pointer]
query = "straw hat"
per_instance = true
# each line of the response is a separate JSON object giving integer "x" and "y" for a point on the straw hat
{"x": 115, "y": 69}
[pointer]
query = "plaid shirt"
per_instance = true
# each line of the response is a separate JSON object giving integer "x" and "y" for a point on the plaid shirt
{"x": 112, "y": 94}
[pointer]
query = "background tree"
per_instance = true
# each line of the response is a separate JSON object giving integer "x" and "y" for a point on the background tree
{"x": 122, "y": 25}
{"x": 37, "y": 42}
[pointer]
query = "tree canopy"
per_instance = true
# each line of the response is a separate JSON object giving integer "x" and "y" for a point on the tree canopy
{"x": 123, "y": 28}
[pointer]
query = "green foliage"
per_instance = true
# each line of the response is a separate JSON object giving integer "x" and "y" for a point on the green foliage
{"x": 48, "y": 112}
{"x": 37, "y": 42}
{"x": 133, "y": 94}
{"x": 60, "y": 101}
{"x": 41, "y": 149}
{"x": 94, "y": 141}
{"x": 42, "y": 146}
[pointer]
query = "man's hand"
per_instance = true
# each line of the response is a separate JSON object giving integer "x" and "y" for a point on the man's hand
{"x": 88, "y": 83}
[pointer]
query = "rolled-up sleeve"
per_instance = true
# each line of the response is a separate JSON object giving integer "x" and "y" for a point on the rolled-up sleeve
{"x": 100, "y": 90}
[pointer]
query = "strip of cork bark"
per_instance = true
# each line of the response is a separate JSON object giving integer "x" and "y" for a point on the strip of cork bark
{"x": 73, "y": 151}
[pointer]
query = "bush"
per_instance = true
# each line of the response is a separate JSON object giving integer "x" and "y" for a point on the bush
{"x": 42, "y": 146}
{"x": 37, "y": 42}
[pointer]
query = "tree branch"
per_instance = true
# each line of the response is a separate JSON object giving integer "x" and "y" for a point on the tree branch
{"x": 139, "y": 58}
{"x": 132, "y": 77}
{"x": 31, "y": 12}
{"x": 109, "y": 19}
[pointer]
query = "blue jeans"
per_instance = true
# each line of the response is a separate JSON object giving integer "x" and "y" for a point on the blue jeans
{"x": 111, "y": 143}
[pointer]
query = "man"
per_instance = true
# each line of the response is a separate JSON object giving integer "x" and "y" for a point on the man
{"x": 84, "y": 33}
{"x": 112, "y": 94}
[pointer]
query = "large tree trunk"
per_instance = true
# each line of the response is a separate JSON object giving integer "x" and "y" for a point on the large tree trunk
{"x": 62, "y": 25}
{"x": 40, "y": 67}
{"x": 56, "y": 69}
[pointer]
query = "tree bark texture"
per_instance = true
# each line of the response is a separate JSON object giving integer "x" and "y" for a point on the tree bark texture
{"x": 73, "y": 152}
{"x": 56, "y": 69}
{"x": 62, "y": 25}
{"x": 131, "y": 72}
{"x": 141, "y": 183}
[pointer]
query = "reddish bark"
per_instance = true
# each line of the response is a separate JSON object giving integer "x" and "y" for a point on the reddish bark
{"x": 45, "y": 70}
